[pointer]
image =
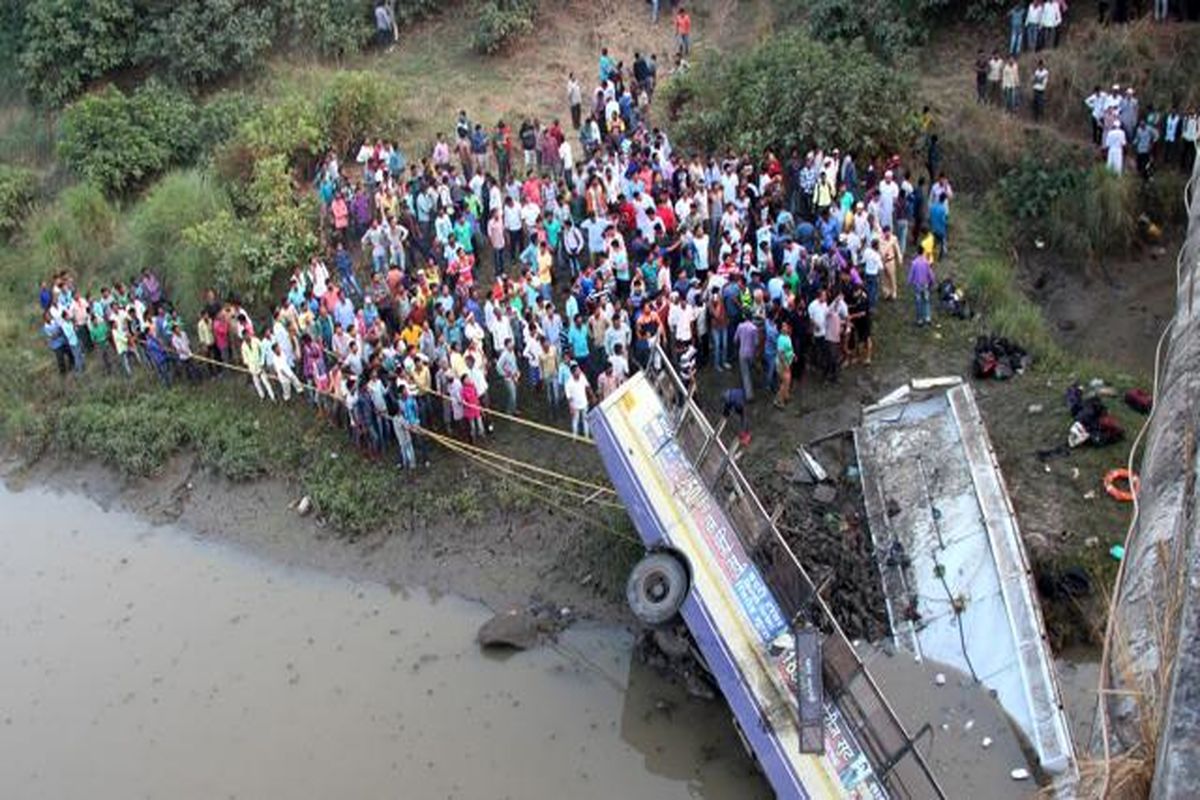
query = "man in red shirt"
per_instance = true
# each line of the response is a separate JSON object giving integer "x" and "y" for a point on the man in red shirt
{"x": 666, "y": 214}
{"x": 683, "y": 31}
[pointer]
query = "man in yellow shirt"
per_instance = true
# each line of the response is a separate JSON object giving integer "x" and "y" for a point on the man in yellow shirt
{"x": 545, "y": 273}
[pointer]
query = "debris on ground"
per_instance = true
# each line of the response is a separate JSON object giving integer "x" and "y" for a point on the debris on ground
{"x": 824, "y": 523}
{"x": 999, "y": 358}
{"x": 304, "y": 506}
{"x": 1093, "y": 424}
{"x": 671, "y": 653}
{"x": 953, "y": 301}
{"x": 1139, "y": 400}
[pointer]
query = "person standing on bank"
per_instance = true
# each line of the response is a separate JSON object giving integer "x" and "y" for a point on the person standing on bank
{"x": 574, "y": 100}
{"x": 1041, "y": 78}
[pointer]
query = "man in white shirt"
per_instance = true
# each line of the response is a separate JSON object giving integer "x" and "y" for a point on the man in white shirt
{"x": 566, "y": 156}
{"x": 872, "y": 267}
{"x": 577, "y": 391}
{"x": 680, "y": 318}
{"x": 817, "y": 310}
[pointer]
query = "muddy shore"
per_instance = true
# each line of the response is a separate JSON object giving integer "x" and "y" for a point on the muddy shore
{"x": 477, "y": 562}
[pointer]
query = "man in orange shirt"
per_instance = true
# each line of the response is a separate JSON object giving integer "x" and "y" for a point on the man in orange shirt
{"x": 683, "y": 31}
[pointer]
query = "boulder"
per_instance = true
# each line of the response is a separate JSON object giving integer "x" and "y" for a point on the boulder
{"x": 516, "y": 629}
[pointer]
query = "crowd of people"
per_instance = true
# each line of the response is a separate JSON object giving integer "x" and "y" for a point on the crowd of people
{"x": 1118, "y": 122}
{"x": 501, "y": 267}
{"x": 1157, "y": 137}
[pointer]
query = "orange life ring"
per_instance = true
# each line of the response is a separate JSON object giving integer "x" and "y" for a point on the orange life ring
{"x": 1123, "y": 495}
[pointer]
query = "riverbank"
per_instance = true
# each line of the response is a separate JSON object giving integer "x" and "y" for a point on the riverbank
{"x": 481, "y": 562}
{"x": 139, "y": 655}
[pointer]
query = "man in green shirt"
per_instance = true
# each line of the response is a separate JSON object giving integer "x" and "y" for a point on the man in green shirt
{"x": 98, "y": 332}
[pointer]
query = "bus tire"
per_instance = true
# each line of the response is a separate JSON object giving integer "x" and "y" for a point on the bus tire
{"x": 657, "y": 587}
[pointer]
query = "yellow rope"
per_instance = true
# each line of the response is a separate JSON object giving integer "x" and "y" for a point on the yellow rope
{"x": 465, "y": 449}
{"x": 532, "y": 467}
{"x": 461, "y": 449}
{"x": 510, "y": 417}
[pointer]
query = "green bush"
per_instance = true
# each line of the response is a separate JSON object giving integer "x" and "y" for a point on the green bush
{"x": 68, "y": 43}
{"x": 351, "y": 108}
{"x": 196, "y": 41}
{"x": 790, "y": 92}
{"x": 18, "y": 187}
{"x": 137, "y": 434}
{"x": 244, "y": 256}
{"x": 220, "y": 118}
{"x": 291, "y": 127}
{"x": 500, "y": 22}
{"x": 1031, "y": 190}
{"x": 1086, "y": 213}
{"x": 333, "y": 28}
{"x": 117, "y": 141}
{"x": 75, "y": 233}
{"x": 154, "y": 235}
{"x": 886, "y": 27}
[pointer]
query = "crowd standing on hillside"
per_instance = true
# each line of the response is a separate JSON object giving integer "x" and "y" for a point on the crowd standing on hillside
{"x": 519, "y": 260}
{"x": 1118, "y": 122}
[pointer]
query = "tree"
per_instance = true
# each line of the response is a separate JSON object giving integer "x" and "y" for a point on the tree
{"x": 116, "y": 141}
{"x": 196, "y": 41}
{"x": 71, "y": 42}
{"x": 790, "y": 92}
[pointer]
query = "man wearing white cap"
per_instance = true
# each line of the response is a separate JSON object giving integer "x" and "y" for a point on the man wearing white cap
{"x": 889, "y": 190}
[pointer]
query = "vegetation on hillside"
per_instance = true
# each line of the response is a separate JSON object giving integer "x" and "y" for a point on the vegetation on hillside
{"x": 792, "y": 92}
{"x": 63, "y": 46}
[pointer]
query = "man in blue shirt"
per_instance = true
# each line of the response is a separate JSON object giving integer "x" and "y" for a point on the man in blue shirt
{"x": 577, "y": 335}
{"x": 939, "y": 220}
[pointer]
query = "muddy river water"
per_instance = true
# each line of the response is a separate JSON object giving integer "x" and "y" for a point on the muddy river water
{"x": 142, "y": 661}
{"x": 145, "y": 661}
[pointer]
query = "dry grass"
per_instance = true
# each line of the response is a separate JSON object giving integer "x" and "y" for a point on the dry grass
{"x": 1134, "y": 698}
{"x": 438, "y": 73}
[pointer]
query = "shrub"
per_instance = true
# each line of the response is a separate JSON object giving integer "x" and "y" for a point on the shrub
{"x": 790, "y": 92}
{"x": 117, "y": 141}
{"x": 291, "y": 127}
{"x": 243, "y": 256}
{"x": 351, "y": 108}
{"x": 219, "y": 119}
{"x": 1087, "y": 213}
{"x": 137, "y": 435}
{"x": 75, "y": 233}
{"x": 68, "y": 43}
{"x": 886, "y": 27}
{"x": 502, "y": 21}
{"x": 332, "y": 28}
{"x": 196, "y": 41}
{"x": 154, "y": 235}
{"x": 223, "y": 245}
{"x": 18, "y": 186}
{"x": 1031, "y": 190}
